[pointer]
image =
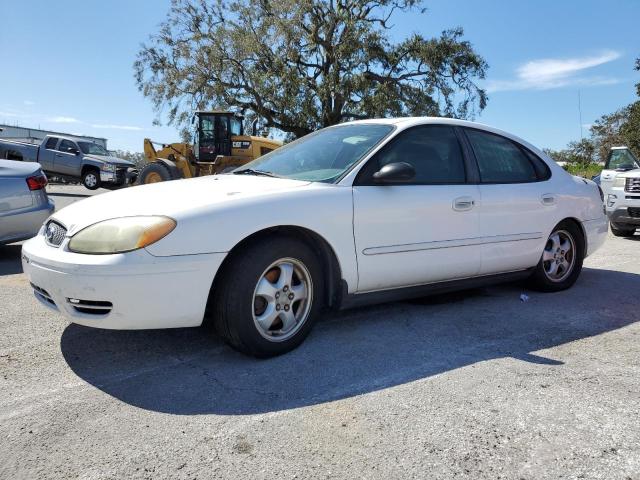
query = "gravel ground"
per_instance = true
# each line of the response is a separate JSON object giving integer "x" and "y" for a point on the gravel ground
{"x": 471, "y": 385}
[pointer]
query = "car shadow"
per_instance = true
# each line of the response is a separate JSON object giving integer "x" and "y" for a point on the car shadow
{"x": 190, "y": 371}
{"x": 10, "y": 263}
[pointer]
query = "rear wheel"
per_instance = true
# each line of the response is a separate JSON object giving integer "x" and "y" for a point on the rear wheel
{"x": 622, "y": 232}
{"x": 561, "y": 260}
{"x": 268, "y": 298}
{"x": 155, "y": 172}
{"x": 91, "y": 179}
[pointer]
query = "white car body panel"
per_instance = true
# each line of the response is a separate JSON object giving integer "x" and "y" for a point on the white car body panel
{"x": 383, "y": 237}
{"x": 396, "y": 251}
{"x": 146, "y": 291}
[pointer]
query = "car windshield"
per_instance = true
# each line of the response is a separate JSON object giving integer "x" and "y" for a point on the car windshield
{"x": 622, "y": 159}
{"x": 92, "y": 148}
{"x": 322, "y": 156}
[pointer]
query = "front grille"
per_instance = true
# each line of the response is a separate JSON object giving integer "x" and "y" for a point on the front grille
{"x": 634, "y": 212}
{"x": 54, "y": 233}
{"x": 633, "y": 185}
{"x": 42, "y": 294}
{"x": 121, "y": 174}
{"x": 90, "y": 307}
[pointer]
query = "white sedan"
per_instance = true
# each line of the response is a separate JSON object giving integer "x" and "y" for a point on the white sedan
{"x": 357, "y": 213}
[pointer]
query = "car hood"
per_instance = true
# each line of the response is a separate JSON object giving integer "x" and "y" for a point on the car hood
{"x": 110, "y": 159}
{"x": 177, "y": 199}
{"x": 630, "y": 173}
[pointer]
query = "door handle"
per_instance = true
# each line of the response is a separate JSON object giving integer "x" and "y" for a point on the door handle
{"x": 548, "y": 199}
{"x": 462, "y": 204}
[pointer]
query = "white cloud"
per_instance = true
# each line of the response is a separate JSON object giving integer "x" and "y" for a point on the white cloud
{"x": 548, "y": 73}
{"x": 29, "y": 103}
{"x": 117, "y": 127}
{"x": 63, "y": 120}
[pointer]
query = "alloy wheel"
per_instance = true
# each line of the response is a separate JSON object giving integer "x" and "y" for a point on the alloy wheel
{"x": 282, "y": 299}
{"x": 559, "y": 256}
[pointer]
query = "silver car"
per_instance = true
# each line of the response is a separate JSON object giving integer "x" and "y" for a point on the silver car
{"x": 24, "y": 204}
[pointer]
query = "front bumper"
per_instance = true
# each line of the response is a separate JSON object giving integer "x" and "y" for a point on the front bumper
{"x": 133, "y": 290}
{"x": 625, "y": 216}
{"x": 122, "y": 176}
{"x": 623, "y": 207}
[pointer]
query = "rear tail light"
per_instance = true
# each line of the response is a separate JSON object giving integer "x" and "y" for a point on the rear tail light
{"x": 37, "y": 182}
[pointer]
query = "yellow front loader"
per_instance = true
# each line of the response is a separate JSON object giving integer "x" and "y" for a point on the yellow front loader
{"x": 219, "y": 146}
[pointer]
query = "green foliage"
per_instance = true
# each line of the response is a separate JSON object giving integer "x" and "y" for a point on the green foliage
{"x": 630, "y": 130}
{"x": 576, "y": 153}
{"x": 585, "y": 170}
{"x": 136, "y": 157}
{"x": 606, "y": 132}
{"x": 300, "y": 65}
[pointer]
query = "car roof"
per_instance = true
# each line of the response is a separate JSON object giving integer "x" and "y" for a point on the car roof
{"x": 406, "y": 122}
{"x": 12, "y": 168}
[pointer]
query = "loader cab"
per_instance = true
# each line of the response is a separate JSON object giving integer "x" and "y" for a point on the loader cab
{"x": 212, "y": 136}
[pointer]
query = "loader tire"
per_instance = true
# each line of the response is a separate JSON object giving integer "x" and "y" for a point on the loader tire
{"x": 155, "y": 172}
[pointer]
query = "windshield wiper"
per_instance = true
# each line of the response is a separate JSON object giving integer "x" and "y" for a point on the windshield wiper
{"x": 251, "y": 171}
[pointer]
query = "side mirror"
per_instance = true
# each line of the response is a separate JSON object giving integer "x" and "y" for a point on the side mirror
{"x": 73, "y": 150}
{"x": 395, "y": 172}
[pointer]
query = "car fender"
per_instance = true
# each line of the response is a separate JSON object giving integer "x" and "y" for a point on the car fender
{"x": 325, "y": 210}
{"x": 91, "y": 162}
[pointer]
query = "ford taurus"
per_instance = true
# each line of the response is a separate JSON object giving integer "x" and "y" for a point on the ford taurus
{"x": 357, "y": 213}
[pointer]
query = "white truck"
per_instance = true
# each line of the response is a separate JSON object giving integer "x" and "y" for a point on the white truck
{"x": 620, "y": 183}
{"x": 74, "y": 159}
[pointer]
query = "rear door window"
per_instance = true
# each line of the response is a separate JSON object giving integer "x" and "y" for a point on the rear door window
{"x": 499, "y": 159}
{"x": 51, "y": 143}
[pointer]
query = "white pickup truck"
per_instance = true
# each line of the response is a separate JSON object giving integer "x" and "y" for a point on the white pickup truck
{"x": 620, "y": 183}
{"x": 73, "y": 158}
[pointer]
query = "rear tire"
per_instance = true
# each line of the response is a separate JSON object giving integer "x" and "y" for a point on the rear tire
{"x": 268, "y": 297}
{"x": 155, "y": 172}
{"x": 561, "y": 260}
{"x": 91, "y": 179}
{"x": 622, "y": 232}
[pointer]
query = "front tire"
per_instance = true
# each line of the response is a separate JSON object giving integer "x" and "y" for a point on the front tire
{"x": 561, "y": 260}
{"x": 91, "y": 179}
{"x": 155, "y": 172}
{"x": 622, "y": 232}
{"x": 268, "y": 298}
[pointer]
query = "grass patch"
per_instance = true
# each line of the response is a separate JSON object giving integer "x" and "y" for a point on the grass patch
{"x": 585, "y": 170}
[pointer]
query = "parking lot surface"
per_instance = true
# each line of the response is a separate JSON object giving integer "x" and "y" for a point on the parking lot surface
{"x": 476, "y": 384}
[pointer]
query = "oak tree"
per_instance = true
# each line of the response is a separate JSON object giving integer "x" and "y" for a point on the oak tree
{"x": 300, "y": 65}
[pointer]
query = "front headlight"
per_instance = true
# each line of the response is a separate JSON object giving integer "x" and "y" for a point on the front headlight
{"x": 108, "y": 167}
{"x": 619, "y": 182}
{"x": 120, "y": 235}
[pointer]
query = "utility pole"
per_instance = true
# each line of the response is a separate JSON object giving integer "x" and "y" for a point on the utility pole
{"x": 580, "y": 114}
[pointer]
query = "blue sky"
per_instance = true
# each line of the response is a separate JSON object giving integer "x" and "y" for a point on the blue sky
{"x": 67, "y": 65}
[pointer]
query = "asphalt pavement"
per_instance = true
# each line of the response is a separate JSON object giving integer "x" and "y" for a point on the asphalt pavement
{"x": 475, "y": 384}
